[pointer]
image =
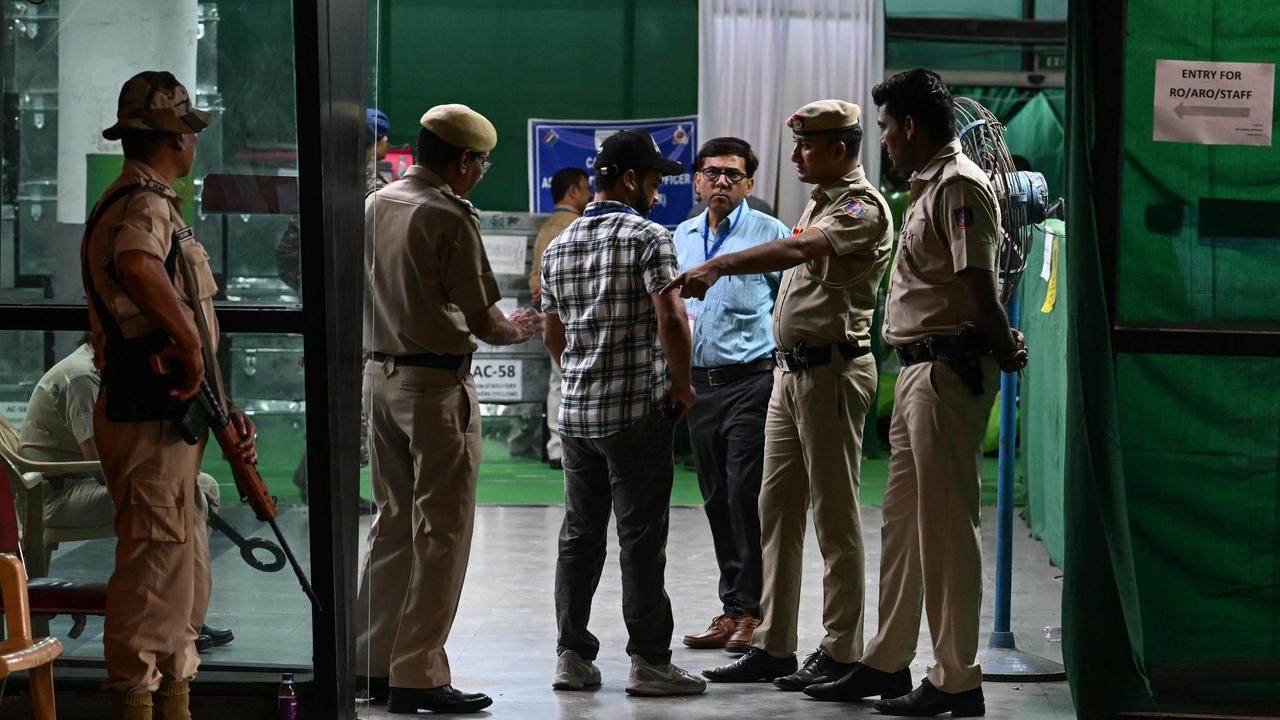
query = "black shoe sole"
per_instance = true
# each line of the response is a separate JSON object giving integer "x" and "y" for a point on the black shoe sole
{"x": 728, "y": 681}
{"x": 412, "y": 708}
{"x": 956, "y": 712}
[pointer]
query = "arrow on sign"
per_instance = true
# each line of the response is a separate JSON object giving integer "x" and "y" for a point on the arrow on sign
{"x": 1207, "y": 111}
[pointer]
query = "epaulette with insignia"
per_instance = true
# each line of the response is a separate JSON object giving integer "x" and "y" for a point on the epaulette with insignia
{"x": 157, "y": 187}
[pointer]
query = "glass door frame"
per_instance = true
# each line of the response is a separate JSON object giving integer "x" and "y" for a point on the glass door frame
{"x": 330, "y": 68}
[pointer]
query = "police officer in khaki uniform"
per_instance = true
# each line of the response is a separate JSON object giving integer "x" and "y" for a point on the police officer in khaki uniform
{"x": 431, "y": 293}
{"x": 151, "y": 292}
{"x": 823, "y": 385}
{"x": 945, "y": 321}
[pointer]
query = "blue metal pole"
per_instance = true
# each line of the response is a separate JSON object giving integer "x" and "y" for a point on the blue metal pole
{"x": 1002, "y": 637}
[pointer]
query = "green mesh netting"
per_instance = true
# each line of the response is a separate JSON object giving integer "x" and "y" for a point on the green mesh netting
{"x": 1200, "y": 223}
{"x": 1044, "y": 392}
{"x": 1198, "y": 436}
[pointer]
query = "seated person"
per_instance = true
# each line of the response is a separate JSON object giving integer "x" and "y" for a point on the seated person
{"x": 58, "y": 427}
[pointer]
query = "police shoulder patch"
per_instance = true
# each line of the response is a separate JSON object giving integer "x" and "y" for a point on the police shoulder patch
{"x": 963, "y": 217}
{"x": 855, "y": 209}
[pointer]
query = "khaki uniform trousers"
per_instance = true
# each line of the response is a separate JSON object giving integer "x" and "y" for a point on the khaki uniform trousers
{"x": 930, "y": 544}
{"x": 425, "y": 433}
{"x": 159, "y": 591}
{"x": 812, "y": 453}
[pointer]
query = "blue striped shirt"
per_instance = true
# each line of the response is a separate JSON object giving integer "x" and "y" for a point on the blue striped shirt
{"x": 731, "y": 325}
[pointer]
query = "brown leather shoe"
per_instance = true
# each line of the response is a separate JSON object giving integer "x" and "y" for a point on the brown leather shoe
{"x": 716, "y": 635}
{"x": 740, "y": 640}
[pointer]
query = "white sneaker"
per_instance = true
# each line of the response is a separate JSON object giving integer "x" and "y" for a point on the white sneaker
{"x": 574, "y": 673}
{"x": 654, "y": 680}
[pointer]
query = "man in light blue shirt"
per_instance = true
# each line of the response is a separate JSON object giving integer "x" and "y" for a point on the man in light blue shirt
{"x": 733, "y": 376}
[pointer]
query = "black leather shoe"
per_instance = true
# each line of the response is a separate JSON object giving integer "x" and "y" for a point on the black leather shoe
{"x": 819, "y": 667}
{"x": 755, "y": 666}
{"x": 374, "y": 688}
{"x": 443, "y": 699}
{"x": 219, "y": 636}
{"x": 863, "y": 682}
{"x": 927, "y": 701}
{"x": 203, "y": 642}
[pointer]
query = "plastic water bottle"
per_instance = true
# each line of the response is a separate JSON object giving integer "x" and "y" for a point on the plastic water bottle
{"x": 287, "y": 699}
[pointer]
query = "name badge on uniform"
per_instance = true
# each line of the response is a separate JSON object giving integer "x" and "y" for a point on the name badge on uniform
{"x": 184, "y": 234}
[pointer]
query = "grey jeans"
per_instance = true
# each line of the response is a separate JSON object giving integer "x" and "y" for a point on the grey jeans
{"x": 630, "y": 474}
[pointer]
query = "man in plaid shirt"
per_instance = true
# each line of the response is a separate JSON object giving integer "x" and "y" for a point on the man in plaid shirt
{"x": 624, "y": 349}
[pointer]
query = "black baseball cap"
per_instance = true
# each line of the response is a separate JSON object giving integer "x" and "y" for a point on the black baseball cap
{"x": 633, "y": 150}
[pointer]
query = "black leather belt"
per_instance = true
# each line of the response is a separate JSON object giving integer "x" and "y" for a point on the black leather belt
{"x": 427, "y": 360}
{"x": 802, "y": 357}
{"x": 726, "y": 374}
{"x": 937, "y": 347}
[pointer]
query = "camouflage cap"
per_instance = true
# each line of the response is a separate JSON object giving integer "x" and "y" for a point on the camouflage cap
{"x": 461, "y": 127}
{"x": 155, "y": 100}
{"x": 823, "y": 116}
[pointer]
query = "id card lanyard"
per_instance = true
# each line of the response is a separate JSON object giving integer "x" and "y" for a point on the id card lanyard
{"x": 711, "y": 250}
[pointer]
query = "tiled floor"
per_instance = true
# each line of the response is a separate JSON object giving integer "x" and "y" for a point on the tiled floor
{"x": 503, "y": 642}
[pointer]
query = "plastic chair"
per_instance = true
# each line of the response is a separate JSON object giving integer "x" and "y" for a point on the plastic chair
{"x": 20, "y": 651}
{"x": 45, "y": 597}
{"x": 38, "y": 541}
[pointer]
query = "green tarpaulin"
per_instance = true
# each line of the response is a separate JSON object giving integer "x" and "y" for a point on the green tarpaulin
{"x": 1102, "y": 630}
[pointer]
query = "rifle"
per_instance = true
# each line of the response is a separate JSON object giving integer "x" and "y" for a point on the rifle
{"x": 205, "y": 412}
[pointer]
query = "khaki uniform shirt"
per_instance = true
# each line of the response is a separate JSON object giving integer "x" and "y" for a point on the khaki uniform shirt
{"x": 562, "y": 218}
{"x": 148, "y": 220}
{"x": 953, "y": 223}
{"x": 427, "y": 268}
{"x": 59, "y": 416}
{"x": 832, "y": 299}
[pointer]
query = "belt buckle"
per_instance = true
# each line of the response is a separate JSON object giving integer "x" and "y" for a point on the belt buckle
{"x": 780, "y": 360}
{"x": 716, "y": 376}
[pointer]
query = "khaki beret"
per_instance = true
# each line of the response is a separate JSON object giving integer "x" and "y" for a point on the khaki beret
{"x": 824, "y": 116}
{"x": 462, "y": 127}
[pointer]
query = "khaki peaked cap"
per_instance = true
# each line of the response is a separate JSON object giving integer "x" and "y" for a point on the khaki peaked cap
{"x": 461, "y": 127}
{"x": 823, "y": 116}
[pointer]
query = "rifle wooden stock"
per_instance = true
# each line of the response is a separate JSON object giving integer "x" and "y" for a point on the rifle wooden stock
{"x": 248, "y": 481}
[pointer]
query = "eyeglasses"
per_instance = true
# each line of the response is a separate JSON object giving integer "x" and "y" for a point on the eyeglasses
{"x": 713, "y": 173}
{"x": 485, "y": 163}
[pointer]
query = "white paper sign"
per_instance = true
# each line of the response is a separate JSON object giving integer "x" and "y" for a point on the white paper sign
{"x": 507, "y": 253}
{"x": 1214, "y": 103}
{"x": 498, "y": 378}
{"x": 1046, "y": 267}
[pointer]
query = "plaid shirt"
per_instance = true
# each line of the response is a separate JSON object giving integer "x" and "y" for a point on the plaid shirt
{"x": 597, "y": 276}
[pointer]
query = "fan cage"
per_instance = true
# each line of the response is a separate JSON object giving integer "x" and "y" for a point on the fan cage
{"x": 982, "y": 139}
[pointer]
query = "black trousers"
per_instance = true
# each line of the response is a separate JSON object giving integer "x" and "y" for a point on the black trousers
{"x": 630, "y": 474}
{"x": 726, "y": 429}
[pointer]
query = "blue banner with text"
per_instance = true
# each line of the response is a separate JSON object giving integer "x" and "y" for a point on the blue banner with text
{"x": 556, "y": 144}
